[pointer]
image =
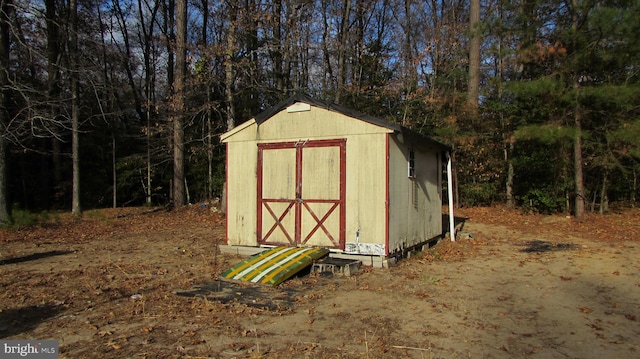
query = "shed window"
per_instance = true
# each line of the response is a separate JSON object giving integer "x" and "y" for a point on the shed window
{"x": 412, "y": 164}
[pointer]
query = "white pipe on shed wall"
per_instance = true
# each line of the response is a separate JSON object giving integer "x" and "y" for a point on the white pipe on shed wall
{"x": 452, "y": 233}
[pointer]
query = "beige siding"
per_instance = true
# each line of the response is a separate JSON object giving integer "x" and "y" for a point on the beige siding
{"x": 366, "y": 183}
{"x": 242, "y": 162}
{"x": 315, "y": 124}
{"x": 321, "y": 173}
{"x": 279, "y": 176}
{"x": 414, "y": 204}
{"x": 321, "y": 181}
{"x": 365, "y": 179}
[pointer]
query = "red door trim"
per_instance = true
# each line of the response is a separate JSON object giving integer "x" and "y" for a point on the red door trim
{"x": 320, "y": 221}
{"x": 226, "y": 191}
{"x": 386, "y": 194}
{"x": 298, "y": 202}
{"x": 259, "y": 197}
{"x": 278, "y": 221}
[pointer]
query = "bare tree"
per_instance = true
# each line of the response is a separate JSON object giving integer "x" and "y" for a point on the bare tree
{"x": 276, "y": 46}
{"x": 473, "y": 90}
{"x": 343, "y": 36}
{"x": 410, "y": 71}
{"x": 76, "y": 209}
{"x": 53, "y": 80}
{"x": 577, "y": 144}
{"x": 145, "y": 35}
{"x": 179, "y": 192}
{"x": 327, "y": 67}
{"x": 5, "y": 44}
{"x": 127, "y": 58}
{"x": 229, "y": 64}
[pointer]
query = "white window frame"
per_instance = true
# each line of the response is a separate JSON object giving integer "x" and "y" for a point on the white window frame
{"x": 411, "y": 164}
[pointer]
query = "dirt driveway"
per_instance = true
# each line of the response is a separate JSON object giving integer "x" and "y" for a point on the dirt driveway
{"x": 139, "y": 284}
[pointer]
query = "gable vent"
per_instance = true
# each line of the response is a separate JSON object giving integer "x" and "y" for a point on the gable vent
{"x": 299, "y": 107}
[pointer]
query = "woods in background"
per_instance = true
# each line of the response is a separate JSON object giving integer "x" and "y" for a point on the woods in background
{"x": 112, "y": 103}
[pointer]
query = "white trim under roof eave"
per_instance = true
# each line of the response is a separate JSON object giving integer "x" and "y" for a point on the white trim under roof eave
{"x": 237, "y": 129}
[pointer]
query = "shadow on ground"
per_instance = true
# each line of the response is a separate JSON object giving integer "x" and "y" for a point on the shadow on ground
{"x": 19, "y": 320}
{"x": 256, "y": 296}
{"x": 33, "y": 257}
{"x": 538, "y": 246}
{"x": 458, "y": 223}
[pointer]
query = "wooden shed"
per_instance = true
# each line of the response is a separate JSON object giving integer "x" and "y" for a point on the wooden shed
{"x": 305, "y": 173}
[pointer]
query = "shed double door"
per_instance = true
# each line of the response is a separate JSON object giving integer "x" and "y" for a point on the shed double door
{"x": 301, "y": 193}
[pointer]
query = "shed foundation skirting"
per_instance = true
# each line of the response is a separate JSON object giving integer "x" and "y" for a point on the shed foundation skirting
{"x": 367, "y": 260}
{"x": 373, "y": 261}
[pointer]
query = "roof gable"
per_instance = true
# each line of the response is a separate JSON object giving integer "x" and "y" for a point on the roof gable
{"x": 267, "y": 114}
{"x": 408, "y": 135}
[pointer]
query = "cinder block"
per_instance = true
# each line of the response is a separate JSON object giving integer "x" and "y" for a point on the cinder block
{"x": 337, "y": 266}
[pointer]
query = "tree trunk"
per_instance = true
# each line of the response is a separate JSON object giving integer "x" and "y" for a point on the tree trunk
{"x": 148, "y": 159}
{"x": 76, "y": 209}
{"x": 6, "y": 8}
{"x": 358, "y": 48}
{"x": 114, "y": 172}
{"x": 510, "y": 174}
{"x": 229, "y": 79}
{"x": 454, "y": 175}
{"x": 209, "y": 106}
{"x": 5, "y": 214}
{"x": 342, "y": 50}
{"x": 288, "y": 48}
{"x": 277, "y": 47}
{"x": 634, "y": 189}
{"x": 409, "y": 70}
{"x": 475, "y": 42}
{"x": 577, "y": 143}
{"x": 508, "y": 140}
{"x": 228, "y": 67}
{"x": 179, "y": 193}
{"x": 577, "y": 161}
{"x": 109, "y": 91}
{"x": 149, "y": 86}
{"x": 327, "y": 69}
{"x": 604, "y": 198}
{"x": 209, "y": 144}
{"x": 411, "y": 76}
{"x": 127, "y": 64}
{"x": 53, "y": 84}
{"x": 171, "y": 37}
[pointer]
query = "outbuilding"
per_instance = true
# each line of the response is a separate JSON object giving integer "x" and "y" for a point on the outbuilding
{"x": 307, "y": 173}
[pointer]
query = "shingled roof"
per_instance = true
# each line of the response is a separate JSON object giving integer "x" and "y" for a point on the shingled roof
{"x": 407, "y": 134}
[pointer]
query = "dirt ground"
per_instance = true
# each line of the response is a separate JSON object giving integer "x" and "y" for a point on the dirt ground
{"x": 135, "y": 283}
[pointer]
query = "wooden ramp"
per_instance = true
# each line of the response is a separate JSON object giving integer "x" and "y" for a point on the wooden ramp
{"x": 274, "y": 265}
